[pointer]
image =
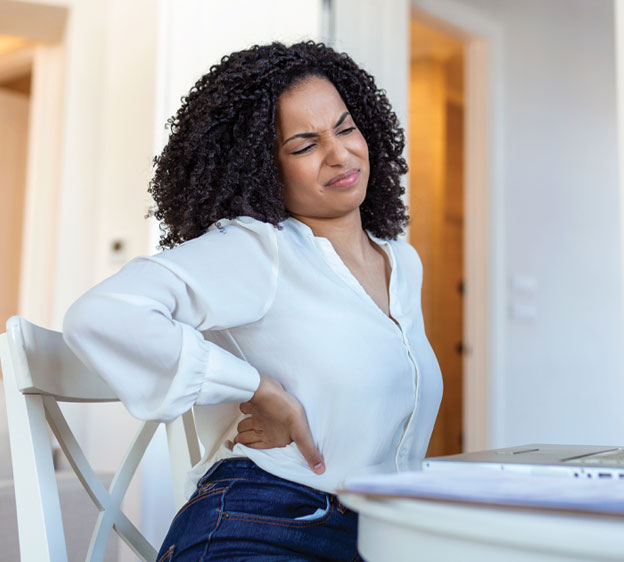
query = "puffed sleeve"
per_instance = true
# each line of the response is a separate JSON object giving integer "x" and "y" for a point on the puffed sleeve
{"x": 141, "y": 329}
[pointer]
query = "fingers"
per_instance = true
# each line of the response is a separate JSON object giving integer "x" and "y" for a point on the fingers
{"x": 248, "y": 438}
{"x": 248, "y": 424}
{"x": 282, "y": 418}
{"x": 303, "y": 439}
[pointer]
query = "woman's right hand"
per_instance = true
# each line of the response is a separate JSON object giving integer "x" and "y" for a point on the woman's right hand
{"x": 276, "y": 418}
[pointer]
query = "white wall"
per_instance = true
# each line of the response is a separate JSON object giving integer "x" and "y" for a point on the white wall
{"x": 375, "y": 34}
{"x": 195, "y": 34}
{"x": 562, "y": 378}
{"x": 107, "y": 143}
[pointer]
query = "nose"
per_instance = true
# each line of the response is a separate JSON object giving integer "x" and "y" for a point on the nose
{"x": 337, "y": 153}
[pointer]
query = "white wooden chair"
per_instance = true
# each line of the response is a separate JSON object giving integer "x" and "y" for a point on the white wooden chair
{"x": 39, "y": 371}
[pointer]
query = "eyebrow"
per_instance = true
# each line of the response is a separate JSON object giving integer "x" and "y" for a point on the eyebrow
{"x": 312, "y": 135}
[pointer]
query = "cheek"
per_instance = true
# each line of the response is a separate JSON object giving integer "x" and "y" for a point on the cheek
{"x": 357, "y": 146}
{"x": 362, "y": 147}
{"x": 299, "y": 181}
{"x": 301, "y": 173}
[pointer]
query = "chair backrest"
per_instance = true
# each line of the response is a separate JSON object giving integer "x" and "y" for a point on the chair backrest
{"x": 39, "y": 371}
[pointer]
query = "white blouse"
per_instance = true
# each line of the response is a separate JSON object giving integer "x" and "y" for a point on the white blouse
{"x": 193, "y": 326}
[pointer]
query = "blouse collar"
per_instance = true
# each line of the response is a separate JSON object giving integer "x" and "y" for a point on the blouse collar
{"x": 307, "y": 231}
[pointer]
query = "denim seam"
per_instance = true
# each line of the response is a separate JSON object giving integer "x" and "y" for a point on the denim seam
{"x": 205, "y": 495}
{"x": 168, "y": 554}
{"x": 280, "y": 522}
{"x": 209, "y": 485}
{"x": 210, "y": 472}
{"x": 219, "y": 518}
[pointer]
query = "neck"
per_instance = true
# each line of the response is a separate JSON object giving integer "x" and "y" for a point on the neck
{"x": 345, "y": 233}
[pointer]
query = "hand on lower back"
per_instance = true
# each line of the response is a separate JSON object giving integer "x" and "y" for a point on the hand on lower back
{"x": 276, "y": 418}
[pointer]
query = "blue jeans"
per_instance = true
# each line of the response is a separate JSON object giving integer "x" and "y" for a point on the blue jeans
{"x": 240, "y": 512}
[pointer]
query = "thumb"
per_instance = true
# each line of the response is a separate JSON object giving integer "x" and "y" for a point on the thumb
{"x": 302, "y": 437}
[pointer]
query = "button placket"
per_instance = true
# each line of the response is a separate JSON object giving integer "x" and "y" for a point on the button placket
{"x": 401, "y": 451}
{"x": 341, "y": 269}
{"x": 338, "y": 266}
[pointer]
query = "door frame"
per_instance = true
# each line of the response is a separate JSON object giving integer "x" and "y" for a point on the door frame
{"x": 44, "y": 25}
{"x": 619, "y": 73}
{"x": 484, "y": 234}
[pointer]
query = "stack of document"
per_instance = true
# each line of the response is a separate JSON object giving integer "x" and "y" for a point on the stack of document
{"x": 482, "y": 485}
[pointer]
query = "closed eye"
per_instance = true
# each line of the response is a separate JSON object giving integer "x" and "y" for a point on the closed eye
{"x": 307, "y": 148}
{"x": 304, "y": 149}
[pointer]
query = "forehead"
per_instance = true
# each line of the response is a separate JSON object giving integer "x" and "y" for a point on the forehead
{"x": 310, "y": 105}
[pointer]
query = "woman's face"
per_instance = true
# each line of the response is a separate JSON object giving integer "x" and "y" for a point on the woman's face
{"x": 322, "y": 155}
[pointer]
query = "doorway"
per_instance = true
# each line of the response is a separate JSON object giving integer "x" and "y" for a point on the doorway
{"x": 15, "y": 88}
{"x": 436, "y": 162}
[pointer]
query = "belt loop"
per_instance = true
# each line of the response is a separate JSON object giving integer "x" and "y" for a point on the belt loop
{"x": 209, "y": 472}
{"x": 341, "y": 508}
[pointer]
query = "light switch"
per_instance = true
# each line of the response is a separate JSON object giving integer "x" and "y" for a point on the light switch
{"x": 523, "y": 284}
{"x": 523, "y": 311}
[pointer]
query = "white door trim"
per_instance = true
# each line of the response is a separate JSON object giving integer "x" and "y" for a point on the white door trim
{"x": 484, "y": 246}
{"x": 42, "y": 195}
{"x": 619, "y": 72}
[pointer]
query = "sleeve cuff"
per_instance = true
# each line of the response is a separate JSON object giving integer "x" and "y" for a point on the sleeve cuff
{"x": 227, "y": 378}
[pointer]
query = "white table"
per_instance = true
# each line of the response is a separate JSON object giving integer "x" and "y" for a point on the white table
{"x": 395, "y": 529}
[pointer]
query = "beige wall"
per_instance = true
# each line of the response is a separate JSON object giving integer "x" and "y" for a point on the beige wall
{"x": 91, "y": 143}
{"x": 107, "y": 142}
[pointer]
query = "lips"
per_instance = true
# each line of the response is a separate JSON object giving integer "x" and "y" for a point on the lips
{"x": 344, "y": 180}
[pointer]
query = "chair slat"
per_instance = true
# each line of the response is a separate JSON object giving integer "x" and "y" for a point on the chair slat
{"x": 41, "y": 355}
{"x": 190, "y": 437}
{"x": 76, "y": 458}
{"x": 135, "y": 540}
{"x": 183, "y": 453}
{"x": 119, "y": 522}
{"x": 100, "y": 536}
{"x": 131, "y": 461}
{"x": 109, "y": 503}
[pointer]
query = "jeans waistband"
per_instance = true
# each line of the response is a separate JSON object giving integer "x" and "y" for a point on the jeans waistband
{"x": 241, "y": 467}
{"x": 244, "y": 467}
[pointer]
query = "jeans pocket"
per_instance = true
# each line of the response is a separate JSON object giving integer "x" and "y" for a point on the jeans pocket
{"x": 318, "y": 514}
{"x": 277, "y": 502}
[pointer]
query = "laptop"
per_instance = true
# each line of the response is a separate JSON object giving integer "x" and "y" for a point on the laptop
{"x": 577, "y": 461}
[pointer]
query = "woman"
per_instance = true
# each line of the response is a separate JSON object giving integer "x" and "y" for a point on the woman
{"x": 283, "y": 292}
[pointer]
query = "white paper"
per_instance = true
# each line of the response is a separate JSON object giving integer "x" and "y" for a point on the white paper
{"x": 498, "y": 487}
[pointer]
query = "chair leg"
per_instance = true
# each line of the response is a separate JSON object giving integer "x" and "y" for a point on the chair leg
{"x": 39, "y": 520}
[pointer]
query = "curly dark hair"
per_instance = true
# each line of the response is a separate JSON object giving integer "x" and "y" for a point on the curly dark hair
{"x": 219, "y": 162}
